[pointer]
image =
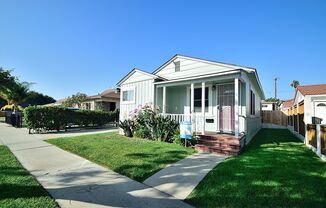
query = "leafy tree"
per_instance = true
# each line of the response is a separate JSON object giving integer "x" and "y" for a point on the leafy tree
{"x": 272, "y": 99}
{"x": 35, "y": 98}
{"x": 6, "y": 79}
{"x": 16, "y": 93}
{"x": 75, "y": 100}
{"x": 11, "y": 89}
{"x": 294, "y": 84}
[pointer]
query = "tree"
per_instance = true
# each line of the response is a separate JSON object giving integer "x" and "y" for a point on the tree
{"x": 272, "y": 99}
{"x": 35, "y": 98}
{"x": 294, "y": 84}
{"x": 16, "y": 93}
{"x": 11, "y": 89}
{"x": 6, "y": 79}
{"x": 75, "y": 100}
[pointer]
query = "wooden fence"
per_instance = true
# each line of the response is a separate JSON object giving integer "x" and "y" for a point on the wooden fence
{"x": 274, "y": 117}
{"x": 316, "y": 137}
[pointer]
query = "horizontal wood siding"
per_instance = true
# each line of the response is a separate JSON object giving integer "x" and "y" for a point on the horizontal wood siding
{"x": 190, "y": 68}
{"x": 253, "y": 126}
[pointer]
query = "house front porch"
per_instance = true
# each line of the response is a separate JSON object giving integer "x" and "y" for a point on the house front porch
{"x": 215, "y": 107}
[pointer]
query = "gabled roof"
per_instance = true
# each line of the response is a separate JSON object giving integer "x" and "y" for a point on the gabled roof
{"x": 287, "y": 103}
{"x": 109, "y": 93}
{"x": 318, "y": 89}
{"x": 132, "y": 72}
{"x": 201, "y": 60}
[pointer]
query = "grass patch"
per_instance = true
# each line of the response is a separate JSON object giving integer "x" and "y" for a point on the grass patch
{"x": 275, "y": 170}
{"x": 17, "y": 187}
{"x": 132, "y": 157}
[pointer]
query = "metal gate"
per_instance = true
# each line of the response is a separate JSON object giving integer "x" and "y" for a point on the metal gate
{"x": 225, "y": 101}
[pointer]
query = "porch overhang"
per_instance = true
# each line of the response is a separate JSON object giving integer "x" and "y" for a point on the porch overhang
{"x": 199, "y": 79}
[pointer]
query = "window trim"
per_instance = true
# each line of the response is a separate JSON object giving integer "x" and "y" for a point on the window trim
{"x": 177, "y": 66}
{"x": 208, "y": 98}
{"x": 134, "y": 95}
{"x": 252, "y": 103}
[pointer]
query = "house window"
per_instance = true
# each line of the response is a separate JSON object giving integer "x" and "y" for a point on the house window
{"x": 128, "y": 95}
{"x": 197, "y": 99}
{"x": 112, "y": 106}
{"x": 87, "y": 106}
{"x": 252, "y": 103}
{"x": 177, "y": 66}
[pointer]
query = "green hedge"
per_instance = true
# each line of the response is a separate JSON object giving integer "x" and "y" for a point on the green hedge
{"x": 56, "y": 118}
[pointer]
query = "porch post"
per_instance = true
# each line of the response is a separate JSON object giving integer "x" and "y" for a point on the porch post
{"x": 192, "y": 110}
{"x": 203, "y": 106}
{"x": 164, "y": 100}
{"x": 236, "y": 107}
{"x": 192, "y": 98}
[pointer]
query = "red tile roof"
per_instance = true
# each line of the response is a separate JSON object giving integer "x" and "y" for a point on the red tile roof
{"x": 312, "y": 89}
{"x": 287, "y": 103}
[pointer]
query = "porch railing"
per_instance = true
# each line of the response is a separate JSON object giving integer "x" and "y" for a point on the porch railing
{"x": 197, "y": 120}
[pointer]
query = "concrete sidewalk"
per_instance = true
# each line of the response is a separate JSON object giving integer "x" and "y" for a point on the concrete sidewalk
{"x": 76, "y": 182}
{"x": 179, "y": 179}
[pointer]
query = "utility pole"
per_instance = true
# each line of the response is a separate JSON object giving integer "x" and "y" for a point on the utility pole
{"x": 275, "y": 87}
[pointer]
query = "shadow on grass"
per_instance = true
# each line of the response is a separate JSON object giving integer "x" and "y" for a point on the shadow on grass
{"x": 275, "y": 170}
{"x": 17, "y": 187}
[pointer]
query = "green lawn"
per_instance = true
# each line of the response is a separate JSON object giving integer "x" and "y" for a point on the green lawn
{"x": 275, "y": 170}
{"x": 132, "y": 157}
{"x": 17, "y": 187}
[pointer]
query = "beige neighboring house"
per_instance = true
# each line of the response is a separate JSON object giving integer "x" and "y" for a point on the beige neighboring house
{"x": 286, "y": 105}
{"x": 108, "y": 100}
{"x": 56, "y": 103}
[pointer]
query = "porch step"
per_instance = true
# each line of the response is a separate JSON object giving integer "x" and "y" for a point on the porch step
{"x": 219, "y": 143}
{"x": 217, "y": 150}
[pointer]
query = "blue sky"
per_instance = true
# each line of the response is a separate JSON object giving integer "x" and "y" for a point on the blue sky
{"x": 70, "y": 46}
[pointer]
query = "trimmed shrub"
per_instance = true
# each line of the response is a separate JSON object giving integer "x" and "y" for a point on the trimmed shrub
{"x": 55, "y": 118}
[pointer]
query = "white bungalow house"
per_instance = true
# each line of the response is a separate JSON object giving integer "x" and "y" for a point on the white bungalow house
{"x": 217, "y": 97}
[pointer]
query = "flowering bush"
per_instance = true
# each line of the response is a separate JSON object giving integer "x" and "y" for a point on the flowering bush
{"x": 150, "y": 124}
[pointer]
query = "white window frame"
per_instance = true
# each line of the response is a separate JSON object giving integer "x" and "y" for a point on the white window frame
{"x": 252, "y": 103}
{"x": 134, "y": 95}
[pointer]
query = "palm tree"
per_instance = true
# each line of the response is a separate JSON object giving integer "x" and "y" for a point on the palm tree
{"x": 11, "y": 89}
{"x": 294, "y": 84}
{"x": 15, "y": 93}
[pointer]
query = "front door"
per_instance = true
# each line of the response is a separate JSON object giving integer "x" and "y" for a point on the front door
{"x": 225, "y": 106}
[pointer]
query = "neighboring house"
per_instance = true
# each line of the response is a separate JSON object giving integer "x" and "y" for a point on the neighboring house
{"x": 217, "y": 97}
{"x": 57, "y": 103}
{"x": 309, "y": 107}
{"x": 285, "y": 106}
{"x": 268, "y": 106}
{"x": 108, "y": 100}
